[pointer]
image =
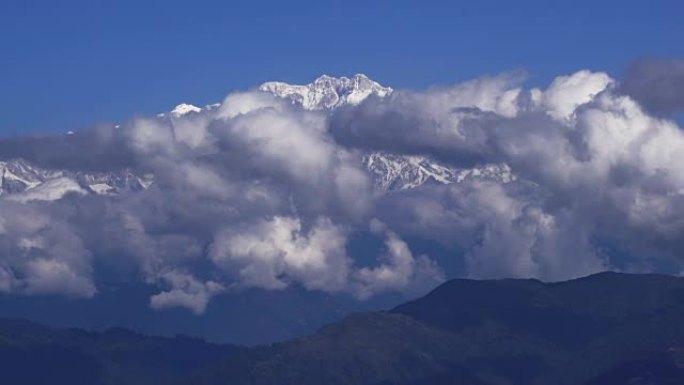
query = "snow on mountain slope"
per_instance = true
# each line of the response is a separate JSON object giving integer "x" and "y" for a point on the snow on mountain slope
{"x": 50, "y": 190}
{"x": 23, "y": 181}
{"x": 17, "y": 176}
{"x": 327, "y": 92}
{"x": 184, "y": 109}
{"x": 113, "y": 182}
{"x": 400, "y": 172}
{"x": 389, "y": 172}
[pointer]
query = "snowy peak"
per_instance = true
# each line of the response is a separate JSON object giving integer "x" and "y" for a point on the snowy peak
{"x": 324, "y": 93}
{"x": 399, "y": 172}
{"x": 18, "y": 176}
{"x": 23, "y": 181}
{"x": 388, "y": 171}
{"x": 327, "y": 92}
{"x": 184, "y": 109}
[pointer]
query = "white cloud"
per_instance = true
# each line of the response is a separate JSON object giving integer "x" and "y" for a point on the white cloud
{"x": 186, "y": 291}
{"x": 42, "y": 254}
{"x": 398, "y": 269}
{"x": 272, "y": 253}
{"x": 270, "y": 194}
{"x": 241, "y": 103}
{"x": 566, "y": 93}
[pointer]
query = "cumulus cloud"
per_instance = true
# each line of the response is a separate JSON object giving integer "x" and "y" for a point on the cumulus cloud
{"x": 398, "y": 269}
{"x": 42, "y": 254}
{"x": 185, "y": 291}
{"x": 566, "y": 93}
{"x": 255, "y": 193}
{"x": 261, "y": 193}
{"x": 272, "y": 253}
{"x": 594, "y": 168}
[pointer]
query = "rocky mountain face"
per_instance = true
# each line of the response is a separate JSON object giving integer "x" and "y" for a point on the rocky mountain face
{"x": 22, "y": 181}
{"x": 327, "y": 93}
{"x": 399, "y": 172}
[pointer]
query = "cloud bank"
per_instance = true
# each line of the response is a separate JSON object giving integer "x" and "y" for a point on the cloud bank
{"x": 260, "y": 192}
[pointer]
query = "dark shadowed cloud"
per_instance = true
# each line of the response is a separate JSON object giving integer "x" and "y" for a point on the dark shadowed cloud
{"x": 657, "y": 84}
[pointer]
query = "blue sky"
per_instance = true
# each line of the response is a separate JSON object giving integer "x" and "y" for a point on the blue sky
{"x": 69, "y": 64}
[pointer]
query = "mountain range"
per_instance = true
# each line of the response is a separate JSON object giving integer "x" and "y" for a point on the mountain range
{"x": 607, "y": 328}
{"x": 22, "y": 181}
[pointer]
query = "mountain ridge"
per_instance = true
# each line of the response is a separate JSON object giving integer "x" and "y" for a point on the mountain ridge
{"x": 327, "y": 92}
{"x": 23, "y": 181}
{"x": 388, "y": 172}
{"x": 524, "y": 335}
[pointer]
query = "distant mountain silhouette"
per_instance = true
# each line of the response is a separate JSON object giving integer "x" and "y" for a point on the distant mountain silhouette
{"x": 265, "y": 316}
{"x": 604, "y": 329}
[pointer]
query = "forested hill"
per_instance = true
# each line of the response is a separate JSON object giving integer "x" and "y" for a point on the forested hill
{"x": 603, "y": 329}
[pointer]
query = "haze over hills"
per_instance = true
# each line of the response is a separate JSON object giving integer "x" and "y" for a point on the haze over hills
{"x": 603, "y": 329}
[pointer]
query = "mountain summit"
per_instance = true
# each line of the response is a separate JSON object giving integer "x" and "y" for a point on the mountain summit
{"x": 21, "y": 180}
{"x": 326, "y": 92}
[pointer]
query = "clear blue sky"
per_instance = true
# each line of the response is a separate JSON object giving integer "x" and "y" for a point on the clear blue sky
{"x": 69, "y": 64}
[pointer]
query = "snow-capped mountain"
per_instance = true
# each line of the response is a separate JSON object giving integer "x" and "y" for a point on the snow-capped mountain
{"x": 399, "y": 172}
{"x": 185, "y": 109}
{"x": 23, "y": 181}
{"x": 388, "y": 171}
{"x": 326, "y": 92}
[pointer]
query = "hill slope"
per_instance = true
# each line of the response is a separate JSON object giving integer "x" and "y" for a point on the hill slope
{"x": 603, "y": 329}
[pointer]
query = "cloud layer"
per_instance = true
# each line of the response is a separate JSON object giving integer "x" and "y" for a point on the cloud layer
{"x": 259, "y": 192}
